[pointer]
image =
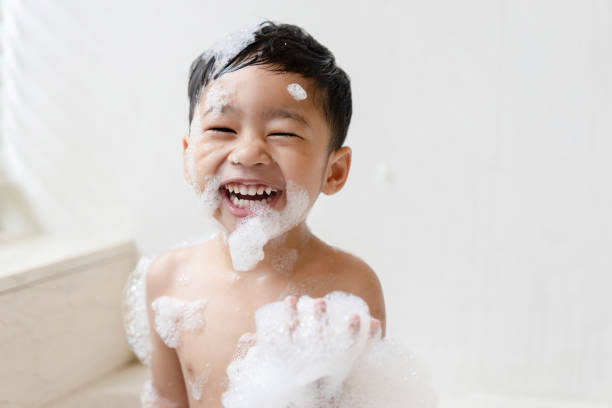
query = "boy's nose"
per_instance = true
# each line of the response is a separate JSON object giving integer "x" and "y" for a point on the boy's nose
{"x": 250, "y": 152}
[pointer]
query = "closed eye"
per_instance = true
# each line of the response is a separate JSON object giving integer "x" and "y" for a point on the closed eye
{"x": 285, "y": 134}
{"x": 222, "y": 129}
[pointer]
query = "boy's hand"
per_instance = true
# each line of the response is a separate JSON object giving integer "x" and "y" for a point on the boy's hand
{"x": 320, "y": 312}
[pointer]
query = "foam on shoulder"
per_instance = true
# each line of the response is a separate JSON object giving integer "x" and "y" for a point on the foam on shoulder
{"x": 174, "y": 316}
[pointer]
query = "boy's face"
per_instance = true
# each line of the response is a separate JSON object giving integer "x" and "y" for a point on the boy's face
{"x": 257, "y": 134}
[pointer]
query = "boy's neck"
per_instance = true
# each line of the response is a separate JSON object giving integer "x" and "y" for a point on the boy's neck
{"x": 295, "y": 239}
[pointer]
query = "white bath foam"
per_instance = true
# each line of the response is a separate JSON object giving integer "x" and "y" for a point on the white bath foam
{"x": 217, "y": 98}
{"x": 175, "y": 316}
{"x": 297, "y": 92}
{"x": 226, "y": 48}
{"x": 209, "y": 197}
{"x": 323, "y": 363}
{"x": 150, "y": 398}
{"x": 135, "y": 318}
{"x": 246, "y": 243}
{"x": 196, "y": 385}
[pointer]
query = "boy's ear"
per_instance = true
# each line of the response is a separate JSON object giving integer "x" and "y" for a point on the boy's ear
{"x": 337, "y": 172}
{"x": 185, "y": 143}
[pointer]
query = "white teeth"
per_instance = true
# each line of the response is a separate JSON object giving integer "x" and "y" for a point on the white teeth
{"x": 268, "y": 190}
{"x": 244, "y": 190}
{"x": 252, "y": 190}
{"x": 261, "y": 190}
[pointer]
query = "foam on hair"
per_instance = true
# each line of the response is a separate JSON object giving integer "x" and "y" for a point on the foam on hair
{"x": 246, "y": 243}
{"x": 300, "y": 360}
{"x": 175, "y": 316}
{"x": 226, "y": 48}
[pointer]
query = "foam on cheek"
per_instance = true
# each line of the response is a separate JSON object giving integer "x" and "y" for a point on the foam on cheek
{"x": 302, "y": 360}
{"x": 297, "y": 92}
{"x": 246, "y": 243}
{"x": 150, "y": 398}
{"x": 175, "y": 316}
{"x": 209, "y": 197}
{"x": 196, "y": 385}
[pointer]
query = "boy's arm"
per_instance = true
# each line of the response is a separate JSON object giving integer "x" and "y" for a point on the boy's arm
{"x": 166, "y": 374}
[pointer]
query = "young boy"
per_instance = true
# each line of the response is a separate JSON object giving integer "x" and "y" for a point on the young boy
{"x": 269, "y": 112}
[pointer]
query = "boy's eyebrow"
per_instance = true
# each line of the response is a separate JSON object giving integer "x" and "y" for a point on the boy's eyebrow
{"x": 285, "y": 113}
{"x": 269, "y": 114}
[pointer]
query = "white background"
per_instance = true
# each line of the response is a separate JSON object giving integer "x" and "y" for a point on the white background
{"x": 481, "y": 185}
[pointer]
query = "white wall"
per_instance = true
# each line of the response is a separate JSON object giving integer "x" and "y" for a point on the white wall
{"x": 481, "y": 180}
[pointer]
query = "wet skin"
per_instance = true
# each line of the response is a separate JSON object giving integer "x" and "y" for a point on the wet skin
{"x": 264, "y": 136}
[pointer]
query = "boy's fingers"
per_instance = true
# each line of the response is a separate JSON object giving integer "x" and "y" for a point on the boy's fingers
{"x": 291, "y": 305}
{"x": 355, "y": 324}
{"x": 320, "y": 308}
{"x": 375, "y": 326}
{"x": 291, "y": 302}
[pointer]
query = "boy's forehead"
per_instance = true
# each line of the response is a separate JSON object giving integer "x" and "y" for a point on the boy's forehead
{"x": 259, "y": 84}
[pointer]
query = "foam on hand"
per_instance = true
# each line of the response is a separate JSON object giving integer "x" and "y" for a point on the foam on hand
{"x": 297, "y": 92}
{"x": 246, "y": 243}
{"x": 175, "y": 316}
{"x": 303, "y": 360}
{"x": 150, "y": 398}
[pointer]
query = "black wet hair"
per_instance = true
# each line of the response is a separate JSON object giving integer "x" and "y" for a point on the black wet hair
{"x": 286, "y": 48}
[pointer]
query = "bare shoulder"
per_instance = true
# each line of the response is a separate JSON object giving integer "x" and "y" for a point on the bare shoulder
{"x": 162, "y": 273}
{"x": 357, "y": 277}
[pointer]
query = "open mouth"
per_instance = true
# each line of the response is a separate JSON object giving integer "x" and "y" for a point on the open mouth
{"x": 248, "y": 196}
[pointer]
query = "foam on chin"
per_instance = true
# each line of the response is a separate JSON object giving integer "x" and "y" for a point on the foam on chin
{"x": 246, "y": 243}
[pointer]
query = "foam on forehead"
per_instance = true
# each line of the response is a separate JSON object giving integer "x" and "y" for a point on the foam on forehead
{"x": 216, "y": 98}
{"x": 247, "y": 241}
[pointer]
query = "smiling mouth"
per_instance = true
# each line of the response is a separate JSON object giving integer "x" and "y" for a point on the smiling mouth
{"x": 249, "y": 196}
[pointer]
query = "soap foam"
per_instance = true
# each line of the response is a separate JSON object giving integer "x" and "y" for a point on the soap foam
{"x": 226, "y": 48}
{"x": 196, "y": 385}
{"x": 135, "y": 319}
{"x": 150, "y": 398}
{"x": 247, "y": 241}
{"x": 209, "y": 198}
{"x": 300, "y": 360}
{"x": 175, "y": 316}
{"x": 297, "y": 92}
{"x": 217, "y": 98}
